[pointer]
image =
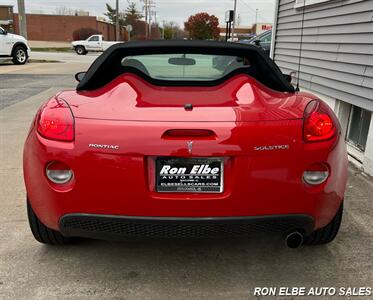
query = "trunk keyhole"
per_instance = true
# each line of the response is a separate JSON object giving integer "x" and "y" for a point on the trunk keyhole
{"x": 188, "y": 106}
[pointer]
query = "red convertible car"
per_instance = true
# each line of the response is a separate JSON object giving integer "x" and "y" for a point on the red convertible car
{"x": 156, "y": 142}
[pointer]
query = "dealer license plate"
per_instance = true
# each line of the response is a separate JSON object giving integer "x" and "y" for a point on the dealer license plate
{"x": 189, "y": 175}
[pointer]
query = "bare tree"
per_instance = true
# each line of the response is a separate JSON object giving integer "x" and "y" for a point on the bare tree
{"x": 65, "y": 11}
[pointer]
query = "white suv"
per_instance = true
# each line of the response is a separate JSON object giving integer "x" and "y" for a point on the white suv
{"x": 14, "y": 46}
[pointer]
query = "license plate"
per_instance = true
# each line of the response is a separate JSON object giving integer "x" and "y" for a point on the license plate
{"x": 189, "y": 175}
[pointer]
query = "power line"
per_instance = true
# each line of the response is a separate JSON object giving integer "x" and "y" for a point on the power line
{"x": 248, "y": 6}
{"x": 148, "y": 5}
{"x": 253, "y": 11}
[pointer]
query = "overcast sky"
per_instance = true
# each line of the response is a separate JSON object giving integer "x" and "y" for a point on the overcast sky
{"x": 169, "y": 10}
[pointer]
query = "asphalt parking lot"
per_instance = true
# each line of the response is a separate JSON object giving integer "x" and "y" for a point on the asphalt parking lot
{"x": 154, "y": 269}
{"x": 21, "y": 82}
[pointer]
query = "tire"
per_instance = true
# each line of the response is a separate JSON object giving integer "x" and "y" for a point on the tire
{"x": 19, "y": 55}
{"x": 80, "y": 50}
{"x": 326, "y": 234}
{"x": 42, "y": 233}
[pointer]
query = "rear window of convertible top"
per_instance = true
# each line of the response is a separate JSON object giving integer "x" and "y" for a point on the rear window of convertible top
{"x": 186, "y": 66}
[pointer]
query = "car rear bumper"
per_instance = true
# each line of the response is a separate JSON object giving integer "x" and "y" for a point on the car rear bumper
{"x": 123, "y": 184}
{"x": 119, "y": 227}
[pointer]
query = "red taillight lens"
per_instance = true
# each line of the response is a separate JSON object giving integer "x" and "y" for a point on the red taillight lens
{"x": 318, "y": 122}
{"x": 55, "y": 121}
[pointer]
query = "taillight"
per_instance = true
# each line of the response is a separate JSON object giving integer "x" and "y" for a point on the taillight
{"x": 319, "y": 123}
{"x": 55, "y": 121}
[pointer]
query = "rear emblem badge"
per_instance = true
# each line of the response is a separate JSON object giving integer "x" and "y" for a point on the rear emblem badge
{"x": 270, "y": 148}
{"x": 101, "y": 146}
{"x": 190, "y": 147}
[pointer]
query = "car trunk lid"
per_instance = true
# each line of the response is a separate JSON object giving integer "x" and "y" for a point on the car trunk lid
{"x": 131, "y": 98}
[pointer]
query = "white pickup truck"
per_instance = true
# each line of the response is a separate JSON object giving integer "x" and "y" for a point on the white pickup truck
{"x": 13, "y": 46}
{"x": 93, "y": 43}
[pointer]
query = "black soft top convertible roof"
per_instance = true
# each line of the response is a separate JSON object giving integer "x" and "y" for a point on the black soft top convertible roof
{"x": 108, "y": 66}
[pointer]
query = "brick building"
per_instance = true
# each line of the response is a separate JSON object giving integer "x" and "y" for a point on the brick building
{"x": 6, "y": 17}
{"x": 41, "y": 27}
{"x": 245, "y": 32}
{"x": 259, "y": 28}
{"x": 240, "y": 31}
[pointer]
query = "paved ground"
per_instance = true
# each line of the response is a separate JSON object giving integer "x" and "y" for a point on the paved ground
{"x": 17, "y": 87}
{"x": 153, "y": 269}
{"x": 46, "y": 44}
{"x": 17, "y": 83}
{"x": 69, "y": 57}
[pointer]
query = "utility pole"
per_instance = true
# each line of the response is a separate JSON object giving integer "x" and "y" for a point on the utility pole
{"x": 164, "y": 23}
{"x": 150, "y": 18}
{"x": 148, "y": 5}
{"x": 256, "y": 16}
{"x": 146, "y": 19}
{"x": 117, "y": 33}
{"x": 234, "y": 18}
{"x": 22, "y": 18}
{"x": 151, "y": 5}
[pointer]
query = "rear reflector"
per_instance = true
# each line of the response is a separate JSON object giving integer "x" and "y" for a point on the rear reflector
{"x": 319, "y": 122}
{"x": 316, "y": 174}
{"x": 55, "y": 121}
{"x": 58, "y": 172}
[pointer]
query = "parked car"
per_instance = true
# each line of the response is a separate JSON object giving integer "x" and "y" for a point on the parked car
{"x": 156, "y": 142}
{"x": 220, "y": 62}
{"x": 263, "y": 41}
{"x": 13, "y": 46}
{"x": 94, "y": 43}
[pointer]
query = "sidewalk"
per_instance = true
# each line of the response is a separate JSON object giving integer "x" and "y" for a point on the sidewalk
{"x": 48, "y": 44}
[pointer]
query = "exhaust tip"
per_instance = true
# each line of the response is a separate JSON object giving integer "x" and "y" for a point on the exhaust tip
{"x": 294, "y": 240}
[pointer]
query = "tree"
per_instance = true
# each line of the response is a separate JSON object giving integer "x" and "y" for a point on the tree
{"x": 65, "y": 11}
{"x": 167, "y": 33}
{"x": 173, "y": 31}
{"x": 203, "y": 26}
{"x": 130, "y": 16}
{"x": 112, "y": 15}
{"x": 180, "y": 33}
{"x": 155, "y": 33}
{"x": 168, "y": 30}
{"x": 133, "y": 17}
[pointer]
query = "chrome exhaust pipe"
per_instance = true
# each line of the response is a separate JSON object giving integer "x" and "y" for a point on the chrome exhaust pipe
{"x": 294, "y": 239}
